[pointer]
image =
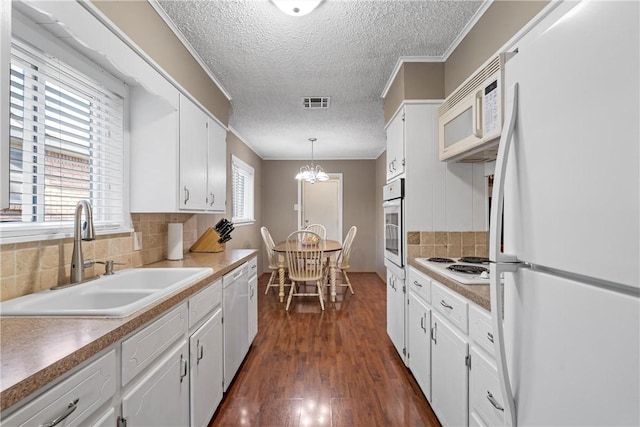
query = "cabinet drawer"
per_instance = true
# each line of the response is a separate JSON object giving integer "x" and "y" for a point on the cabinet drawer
{"x": 204, "y": 301}
{"x": 140, "y": 350}
{"x": 419, "y": 284}
{"x": 481, "y": 330}
{"x": 89, "y": 388}
{"x": 485, "y": 396}
{"x": 451, "y": 305}
{"x": 253, "y": 266}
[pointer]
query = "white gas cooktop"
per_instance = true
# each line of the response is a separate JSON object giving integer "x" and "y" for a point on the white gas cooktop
{"x": 475, "y": 272}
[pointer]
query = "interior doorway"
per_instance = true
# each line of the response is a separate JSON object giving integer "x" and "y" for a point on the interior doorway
{"x": 321, "y": 203}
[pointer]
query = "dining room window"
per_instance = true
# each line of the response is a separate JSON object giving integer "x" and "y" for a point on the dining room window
{"x": 243, "y": 194}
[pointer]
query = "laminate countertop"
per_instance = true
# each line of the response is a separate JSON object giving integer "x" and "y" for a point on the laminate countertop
{"x": 479, "y": 294}
{"x": 35, "y": 351}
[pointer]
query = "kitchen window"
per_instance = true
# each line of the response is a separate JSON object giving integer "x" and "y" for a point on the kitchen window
{"x": 242, "y": 183}
{"x": 66, "y": 143}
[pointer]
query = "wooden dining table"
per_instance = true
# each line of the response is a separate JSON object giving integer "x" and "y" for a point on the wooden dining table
{"x": 330, "y": 249}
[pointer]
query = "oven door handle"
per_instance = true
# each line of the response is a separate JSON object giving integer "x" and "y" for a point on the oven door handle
{"x": 390, "y": 203}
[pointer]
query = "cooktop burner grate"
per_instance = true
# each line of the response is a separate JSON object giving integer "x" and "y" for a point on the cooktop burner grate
{"x": 474, "y": 260}
{"x": 441, "y": 260}
{"x": 467, "y": 269}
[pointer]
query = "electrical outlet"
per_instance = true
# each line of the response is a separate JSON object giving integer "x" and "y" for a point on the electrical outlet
{"x": 137, "y": 240}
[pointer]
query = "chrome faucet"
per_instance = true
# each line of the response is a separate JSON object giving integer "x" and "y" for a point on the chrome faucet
{"x": 87, "y": 233}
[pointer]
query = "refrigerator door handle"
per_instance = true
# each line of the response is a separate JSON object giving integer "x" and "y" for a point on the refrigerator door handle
{"x": 497, "y": 308}
{"x": 497, "y": 198}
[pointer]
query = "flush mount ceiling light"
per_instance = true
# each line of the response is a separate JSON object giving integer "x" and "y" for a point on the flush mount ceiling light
{"x": 296, "y": 7}
{"x": 312, "y": 173}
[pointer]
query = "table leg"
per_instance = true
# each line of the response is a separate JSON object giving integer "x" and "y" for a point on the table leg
{"x": 281, "y": 281}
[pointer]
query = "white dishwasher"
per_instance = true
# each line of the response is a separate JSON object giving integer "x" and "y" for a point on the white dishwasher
{"x": 235, "y": 315}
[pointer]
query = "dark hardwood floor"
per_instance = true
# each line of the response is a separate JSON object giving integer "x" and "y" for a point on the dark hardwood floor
{"x": 333, "y": 368}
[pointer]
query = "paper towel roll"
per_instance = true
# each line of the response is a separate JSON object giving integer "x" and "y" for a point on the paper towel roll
{"x": 174, "y": 241}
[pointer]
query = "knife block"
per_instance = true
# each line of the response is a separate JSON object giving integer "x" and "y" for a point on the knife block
{"x": 208, "y": 242}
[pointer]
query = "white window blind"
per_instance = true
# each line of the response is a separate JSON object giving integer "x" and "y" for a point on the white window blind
{"x": 66, "y": 144}
{"x": 242, "y": 182}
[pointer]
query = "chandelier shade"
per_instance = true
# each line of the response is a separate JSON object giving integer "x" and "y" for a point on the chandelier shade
{"x": 296, "y": 7}
{"x": 312, "y": 173}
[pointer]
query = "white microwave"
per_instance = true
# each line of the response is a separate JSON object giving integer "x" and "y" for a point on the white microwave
{"x": 470, "y": 119}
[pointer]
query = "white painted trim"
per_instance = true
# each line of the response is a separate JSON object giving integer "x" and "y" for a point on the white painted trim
{"x": 244, "y": 141}
{"x": 442, "y": 58}
{"x": 102, "y": 18}
{"x": 316, "y": 159}
{"x": 472, "y": 23}
{"x": 167, "y": 19}
{"x": 399, "y": 64}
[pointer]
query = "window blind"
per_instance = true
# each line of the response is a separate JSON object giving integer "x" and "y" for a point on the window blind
{"x": 242, "y": 183}
{"x": 66, "y": 143}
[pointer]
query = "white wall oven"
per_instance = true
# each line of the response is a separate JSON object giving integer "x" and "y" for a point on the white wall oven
{"x": 393, "y": 196}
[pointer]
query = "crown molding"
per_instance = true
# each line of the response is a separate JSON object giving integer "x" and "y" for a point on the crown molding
{"x": 173, "y": 27}
{"x": 401, "y": 61}
{"x": 472, "y": 23}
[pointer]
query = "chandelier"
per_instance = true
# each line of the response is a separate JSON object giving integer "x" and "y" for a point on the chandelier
{"x": 312, "y": 173}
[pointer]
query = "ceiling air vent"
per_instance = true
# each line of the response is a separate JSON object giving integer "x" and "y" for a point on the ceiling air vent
{"x": 313, "y": 102}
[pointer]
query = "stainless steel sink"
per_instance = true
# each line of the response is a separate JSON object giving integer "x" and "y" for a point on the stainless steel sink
{"x": 108, "y": 296}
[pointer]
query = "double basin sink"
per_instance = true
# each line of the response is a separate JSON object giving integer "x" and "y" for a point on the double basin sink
{"x": 117, "y": 295}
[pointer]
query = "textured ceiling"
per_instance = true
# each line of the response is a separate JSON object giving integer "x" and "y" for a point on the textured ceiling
{"x": 267, "y": 61}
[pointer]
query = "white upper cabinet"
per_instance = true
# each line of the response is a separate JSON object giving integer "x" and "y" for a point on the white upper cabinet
{"x": 395, "y": 146}
{"x": 178, "y": 156}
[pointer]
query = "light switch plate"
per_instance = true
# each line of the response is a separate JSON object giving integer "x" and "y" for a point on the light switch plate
{"x": 137, "y": 240}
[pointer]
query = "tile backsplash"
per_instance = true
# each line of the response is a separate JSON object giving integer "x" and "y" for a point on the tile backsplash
{"x": 30, "y": 267}
{"x": 450, "y": 244}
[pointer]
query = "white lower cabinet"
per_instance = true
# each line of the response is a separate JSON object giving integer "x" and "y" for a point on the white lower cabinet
{"x": 73, "y": 401}
{"x": 449, "y": 373}
{"x": 161, "y": 396}
{"x": 205, "y": 373}
{"x": 419, "y": 354}
{"x": 253, "y": 299}
{"x": 396, "y": 303}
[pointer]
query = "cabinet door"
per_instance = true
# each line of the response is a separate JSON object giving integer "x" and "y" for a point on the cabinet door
{"x": 395, "y": 312}
{"x": 161, "y": 398}
{"x": 485, "y": 394}
{"x": 193, "y": 156}
{"x": 205, "y": 347}
{"x": 449, "y": 373}
{"x": 395, "y": 146}
{"x": 217, "y": 167}
{"x": 253, "y": 308}
{"x": 419, "y": 343}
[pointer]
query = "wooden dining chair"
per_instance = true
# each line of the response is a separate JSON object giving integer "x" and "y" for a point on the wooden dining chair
{"x": 271, "y": 257}
{"x": 342, "y": 263}
{"x": 319, "y": 229}
{"x": 305, "y": 263}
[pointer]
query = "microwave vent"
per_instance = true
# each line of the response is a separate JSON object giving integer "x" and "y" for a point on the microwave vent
{"x": 471, "y": 85}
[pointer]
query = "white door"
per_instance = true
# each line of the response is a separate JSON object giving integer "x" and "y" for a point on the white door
{"x": 321, "y": 203}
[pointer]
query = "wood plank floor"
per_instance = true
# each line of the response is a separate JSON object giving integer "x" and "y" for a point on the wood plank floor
{"x": 333, "y": 368}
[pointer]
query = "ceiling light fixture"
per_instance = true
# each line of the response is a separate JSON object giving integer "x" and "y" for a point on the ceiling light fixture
{"x": 296, "y": 7}
{"x": 312, "y": 173}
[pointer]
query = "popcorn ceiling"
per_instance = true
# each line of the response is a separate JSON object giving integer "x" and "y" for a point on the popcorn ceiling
{"x": 267, "y": 61}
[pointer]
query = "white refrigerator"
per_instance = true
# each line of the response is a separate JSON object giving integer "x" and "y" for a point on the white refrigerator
{"x": 568, "y": 171}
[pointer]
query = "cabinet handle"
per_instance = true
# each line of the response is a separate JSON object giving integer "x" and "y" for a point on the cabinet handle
{"x": 68, "y": 410}
{"x": 251, "y": 294}
{"x": 494, "y": 402}
{"x": 415, "y": 282}
{"x": 213, "y": 199}
{"x": 445, "y": 305}
{"x": 184, "y": 368}
{"x": 422, "y": 323}
{"x": 186, "y": 194}
{"x": 490, "y": 336}
{"x": 433, "y": 333}
{"x": 477, "y": 131}
{"x": 200, "y": 352}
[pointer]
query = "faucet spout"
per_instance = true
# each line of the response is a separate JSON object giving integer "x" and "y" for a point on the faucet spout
{"x": 81, "y": 232}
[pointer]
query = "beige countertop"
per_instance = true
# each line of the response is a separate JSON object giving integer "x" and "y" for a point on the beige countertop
{"x": 479, "y": 294}
{"x": 37, "y": 350}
